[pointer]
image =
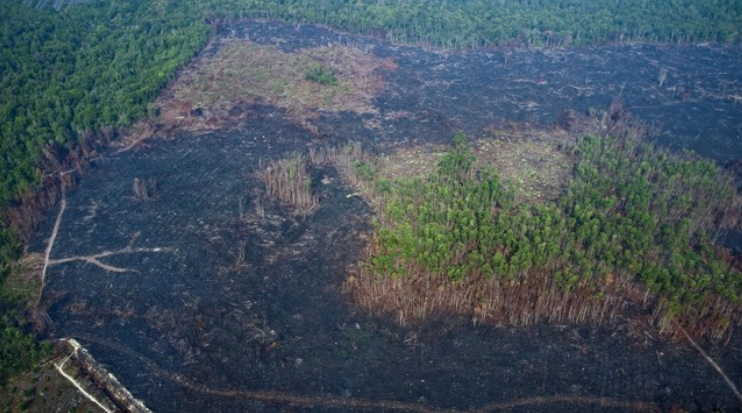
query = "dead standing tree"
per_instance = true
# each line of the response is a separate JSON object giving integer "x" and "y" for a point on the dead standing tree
{"x": 143, "y": 190}
{"x": 288, "y": 180}
{"x": 140, "y": 189}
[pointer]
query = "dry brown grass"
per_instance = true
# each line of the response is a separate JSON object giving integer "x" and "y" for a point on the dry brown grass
{"x": 494, "y": 301}
{"x": 242, "y": 72}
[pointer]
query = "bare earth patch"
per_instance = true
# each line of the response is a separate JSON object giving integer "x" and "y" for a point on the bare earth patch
{"x": 212, "y": 92}
{"x": 533, "y": 162}
{"x": 414, "y": 162}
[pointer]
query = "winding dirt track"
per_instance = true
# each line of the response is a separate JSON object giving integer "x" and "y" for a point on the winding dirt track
{"x": 50, "y": 245}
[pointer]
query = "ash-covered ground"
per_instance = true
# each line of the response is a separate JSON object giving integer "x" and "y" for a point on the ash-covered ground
{"x": 202, "y": 297}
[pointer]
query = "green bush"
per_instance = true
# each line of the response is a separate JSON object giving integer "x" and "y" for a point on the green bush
{"x": 318, "y": 74}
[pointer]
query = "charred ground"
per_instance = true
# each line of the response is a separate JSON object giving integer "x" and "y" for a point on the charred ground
{"x": 245, "y": 312}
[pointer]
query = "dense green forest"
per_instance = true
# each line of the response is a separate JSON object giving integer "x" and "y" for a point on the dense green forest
{"x": 100, "y": 64}
{"x": 477, "y": 23}
{"x": 633, "y": 222}
{"x": 69, "y": 74}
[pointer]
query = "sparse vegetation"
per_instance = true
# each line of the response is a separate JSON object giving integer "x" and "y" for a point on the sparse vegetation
{"x": 303, "y": 82}
{"x": 288, "y": 180}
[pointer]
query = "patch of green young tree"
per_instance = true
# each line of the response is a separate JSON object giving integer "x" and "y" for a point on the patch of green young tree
{"x": 629, "y": 215}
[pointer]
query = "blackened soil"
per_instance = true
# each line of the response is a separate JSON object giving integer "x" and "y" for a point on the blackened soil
{"x": 698, "y": 105}
{"x": 242, "y": 311}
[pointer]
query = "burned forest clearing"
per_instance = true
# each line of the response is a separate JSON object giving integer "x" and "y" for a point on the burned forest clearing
{"x": 319, "y": 221}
